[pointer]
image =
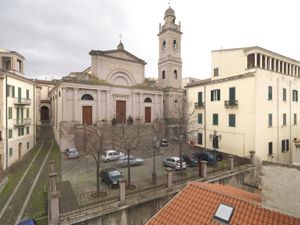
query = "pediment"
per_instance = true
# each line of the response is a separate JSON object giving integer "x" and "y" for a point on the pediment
{"x": 119, "y": 54}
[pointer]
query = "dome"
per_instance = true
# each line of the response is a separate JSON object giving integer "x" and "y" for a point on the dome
{"x": 121, "y": 46}
{"x": 170, "y": 12}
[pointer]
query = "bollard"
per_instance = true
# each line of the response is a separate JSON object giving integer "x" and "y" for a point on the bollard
{"x": 51, "y": 162}
{"x": 122, "y": 186}
{"x": 231, "y": 162}
{"x": 203, "y": 168}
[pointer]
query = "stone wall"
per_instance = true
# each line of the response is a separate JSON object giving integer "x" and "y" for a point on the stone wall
{"x": 280, "y": 187}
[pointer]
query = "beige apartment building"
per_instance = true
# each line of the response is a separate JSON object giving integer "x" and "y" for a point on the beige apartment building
{"x": 251, "y": 100}
{"x": 17, "y": 109}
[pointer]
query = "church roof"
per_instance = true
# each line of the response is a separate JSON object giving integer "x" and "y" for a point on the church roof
{"x": 120, "y": 49}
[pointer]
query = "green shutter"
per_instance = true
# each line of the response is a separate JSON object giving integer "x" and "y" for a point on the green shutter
{"x": 13, "y": 91}
{"x": 231, "y": 119}
{"x": 9, "y": 112}
{"x": 215, "y": 119}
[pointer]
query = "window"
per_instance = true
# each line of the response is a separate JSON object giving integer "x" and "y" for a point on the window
{"x": 270, "y": 120}
{"x": 200, "y": 118}
{"x": 27, "y": 113}
{"x": 174, "y": 44}
{"x": 295, "y": 96}
{"x": 13, "y": 91}
{"x": 270, "y": 148}
{"x": 295, "y": 118}
{"x": 28, "y": 145}
{"x": 27, "y": 130}
{"x": 231, "y": 120}
{"x": 164, "y": 45}
{"x": 9, "y": 112}
{"x": 200, "y": 138}
{"x": 284, "y": 119}
{"x": 216, "y": 71}
{"x": 200, "y": 100}
{"x": 215, "y": 95}
{"x": 21, "y": 131}
{"x": 284, "y": 94}
{"x": 232, "y": 94}
{"x": 148, "y": 100}
{"x": 8, "y": 90}
{"x": 175, "y": 74}
{"x": 163, "y": 74}
{"x": 269, "y": 92}
{"x": 10, "y": 133}
{"x": 215, "y": 119}
{"x": 19, "y": 93}
{"x": 250, "y": 61}
{"x": 285, "y": 145}
{"x": 27, "y": 93}
{"x": 10, "y": 152}
{"x": 87, "y": 97}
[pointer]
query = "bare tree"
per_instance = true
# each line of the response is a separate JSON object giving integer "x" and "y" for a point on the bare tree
{"x": 128, "y": 138}
{"x": 186, "y": 122}
{"x": 91, "y": 141}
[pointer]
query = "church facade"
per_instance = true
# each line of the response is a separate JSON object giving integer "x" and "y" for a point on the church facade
{"x": 114, "y": 87}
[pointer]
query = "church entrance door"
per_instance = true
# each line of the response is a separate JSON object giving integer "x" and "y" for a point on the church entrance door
{"x": 121, "y": 111}
{"x": 87, "y": 115}
{"x": 147, "y": 114}
{"x": 44, "y": 113}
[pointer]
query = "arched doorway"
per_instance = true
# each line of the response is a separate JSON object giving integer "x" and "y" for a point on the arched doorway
{"x": 44, "y": 113}
{"x": 20, "y": 150}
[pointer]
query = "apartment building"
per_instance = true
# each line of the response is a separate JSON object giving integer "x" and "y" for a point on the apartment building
{"x": 250, "y": 103}
{"x": 17, "y": 109}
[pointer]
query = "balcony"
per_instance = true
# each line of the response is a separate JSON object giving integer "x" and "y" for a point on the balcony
{"x": 199, "y": 105}
{"x": 22, "y": 101}
{"x": 231, "y": 103}
{"x": 22, "y": 122}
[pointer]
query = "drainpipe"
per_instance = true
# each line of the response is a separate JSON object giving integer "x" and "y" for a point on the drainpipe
{"x": 290, "y": 142}
{"x": 34, "y": 116}
{"x": 6, "y": 124}
{"x": 204, "y": 96}
{"x": 277, "y": 119}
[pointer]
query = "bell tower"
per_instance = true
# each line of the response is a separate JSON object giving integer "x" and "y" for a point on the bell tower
{"x": 170, "y": 63}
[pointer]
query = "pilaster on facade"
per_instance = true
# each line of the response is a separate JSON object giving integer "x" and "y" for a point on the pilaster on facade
{"x": 99, "y": 113}
{"x": 64, "y": 102}
{"x": 141, "y": 106}
{"x": 75, "y": 107}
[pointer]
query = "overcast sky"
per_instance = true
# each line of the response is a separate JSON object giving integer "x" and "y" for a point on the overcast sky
{"x": 55, "y": 36}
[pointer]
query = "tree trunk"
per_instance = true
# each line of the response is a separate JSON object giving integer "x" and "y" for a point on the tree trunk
{"x": 128, "y": 169}
{"x": 98, "y": 178}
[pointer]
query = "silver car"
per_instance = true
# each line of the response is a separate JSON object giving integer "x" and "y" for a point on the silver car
{"x": 72, "y": 153}
{"x": 111, "y": 155}
{"x": 174, "y": 163}
{"x": 133, "y": 161}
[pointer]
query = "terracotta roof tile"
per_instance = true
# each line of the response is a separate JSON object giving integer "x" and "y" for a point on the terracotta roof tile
{"x": 197, "y": 203}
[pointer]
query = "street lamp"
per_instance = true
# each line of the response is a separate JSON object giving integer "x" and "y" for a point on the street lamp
{"x": 215, "y": 139}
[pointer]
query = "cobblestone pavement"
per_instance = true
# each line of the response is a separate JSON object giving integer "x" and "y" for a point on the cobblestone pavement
{"x": 12, "y": 211}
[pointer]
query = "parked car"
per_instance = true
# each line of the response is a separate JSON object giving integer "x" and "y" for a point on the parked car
{"x": 217, "y": 154}
{"x": 111, "y": 176}
{"x": 72, "y": 153}
{"x": 190, "y": 161}
{"x": 133, "y": 161}
{"x": 28, "y": 222}
{"x": 206, "y": 156}
{"x": 110, "y": 155}
{"x": 164, "y": 142}
{"x": 174, "y": 162}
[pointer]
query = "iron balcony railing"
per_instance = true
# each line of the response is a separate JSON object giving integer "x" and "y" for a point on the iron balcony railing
{"x": 22, "y": 101}
{"x": 231, "y": 103}
{"x": 22, "y": 122}
{"x": 199, "y": 105}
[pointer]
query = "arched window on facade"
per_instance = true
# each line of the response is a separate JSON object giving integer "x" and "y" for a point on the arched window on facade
{"x": 87, "y": 97}
{"x": 175, "y": 74}
{"x": 148, "y": 100}
{"x": 164, "y": 45}
{"x": 163, "y": 74}
{"x": 174, "y": 44}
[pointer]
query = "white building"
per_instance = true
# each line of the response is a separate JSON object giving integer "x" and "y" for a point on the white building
{"x": 17, "y": 109}
{"x": 251, "y": 100}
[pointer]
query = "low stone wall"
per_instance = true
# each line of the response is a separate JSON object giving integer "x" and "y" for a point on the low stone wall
{"x": 3, "y": 183}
